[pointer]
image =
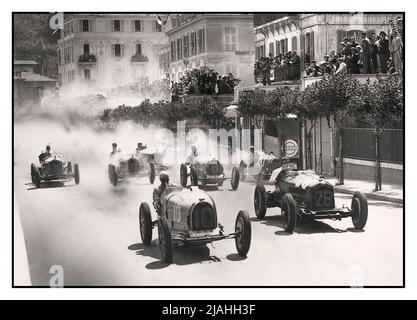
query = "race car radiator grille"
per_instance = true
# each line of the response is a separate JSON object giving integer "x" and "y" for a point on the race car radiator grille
{"x": 214, "y": 169}
{"x": 55, "y": 167}
{"x": 203, "y": 217}
{"x": 322, "y": 198}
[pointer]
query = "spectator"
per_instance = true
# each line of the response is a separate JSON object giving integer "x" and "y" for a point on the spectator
{"x": 314, "y": 69}
{"x": 326, "y": 67}
{"x": 374, "y": 56}
{"x": 342, "y": 67}
{"x": 383, "y": 52}
{"x": 353, "y": 61}
{"x": 396, "y": 49}
{"x": 366, "y": 54}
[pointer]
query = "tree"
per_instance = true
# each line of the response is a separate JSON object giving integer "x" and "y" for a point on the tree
{"x": 335, "y": 95}
{"x": 380, "y": 104}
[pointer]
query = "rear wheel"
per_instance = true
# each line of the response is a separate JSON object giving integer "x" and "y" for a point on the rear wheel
{"x": 112, "y": 175}
{"x": 359, "y": 210}
{"x": 288, "y": 211}
{"x": 243, "y": 232}
{"x": 193, "y": 176}
{"x": 145, "y": 223}
{"x": 76, "y": 174}
{"x": 242, "y": 167}
{"x": 235, "y": 178}
{"x": 165, "y": 240}
{"x": 152, "y": 172}
{"x": 183, "y": 174}
{"x": 260, "y": 201}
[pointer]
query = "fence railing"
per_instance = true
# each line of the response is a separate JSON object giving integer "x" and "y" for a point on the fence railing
{"x": 359, "y": 143}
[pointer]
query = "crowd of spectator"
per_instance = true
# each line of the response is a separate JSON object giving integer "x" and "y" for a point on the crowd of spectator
{"x": 372, "y": 53}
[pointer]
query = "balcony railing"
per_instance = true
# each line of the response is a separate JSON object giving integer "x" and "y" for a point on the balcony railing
{"x": 139, "y": 58}
{"x": 270, "y": 70}
{"x": 87, "y": 58}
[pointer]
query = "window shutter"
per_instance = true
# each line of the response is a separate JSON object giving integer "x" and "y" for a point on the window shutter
{"x": 132, "y": 25}
{"x": 113, "y": 50}
{"x": 90, "y": 26}
{"x": 122, "y": 50}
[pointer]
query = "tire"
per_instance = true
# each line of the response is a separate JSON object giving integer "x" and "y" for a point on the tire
{"x": 112, "y": 175}
{"x": 145, "y": 223}
{"x": 37, "y": 178}
{"x": 69, "y": 167}
{"x": 243, "y": 231}
{"x": 359, "y": 209}
{"x": 235, "y": 178}
{"x": 288, "y": 211}
{"x": 152, "y": 172}
{"x": 165, "y": 240}
{"x": 242, "y": 167}
{"x": 260, "y": 201}
{"x": 183, "y": 174}
{"x": 32, "y": 172}
{"x": 193, "y": 176}
{"x": 76, "y": 174}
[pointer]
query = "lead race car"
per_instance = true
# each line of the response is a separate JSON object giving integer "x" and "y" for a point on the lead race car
{"x": 189, "y": 216}
{"x": 124, "y": 166}
{"x": 53, "y": 167}
{"x": 304, "y": 194}
{"x": 207, "y": 171}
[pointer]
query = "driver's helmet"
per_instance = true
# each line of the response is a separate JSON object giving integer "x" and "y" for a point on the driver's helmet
{"x": 284, "y": 160}
{"x": 114, "y": 145}
{"x": 164, "y": 177}
{"x": 252, "y": 148}
{"x": 48, "y": 148}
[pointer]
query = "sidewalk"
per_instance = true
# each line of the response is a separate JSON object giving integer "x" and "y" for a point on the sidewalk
{"x": 21, "y": 266}
{"x": 389, "y": 192}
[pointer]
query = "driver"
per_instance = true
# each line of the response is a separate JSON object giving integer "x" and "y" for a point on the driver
{"x": 45, "y": 154}
{"x": 157, "y": 192}
{"x": 252, "y": 156}
{"x": 191, "y": 159}
{"x": 114, "y": 149}
{"x": 141, "y": 147}
{"x": 276, "y": 172}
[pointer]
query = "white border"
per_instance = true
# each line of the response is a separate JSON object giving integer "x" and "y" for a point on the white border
{"x": 214, "y": 5}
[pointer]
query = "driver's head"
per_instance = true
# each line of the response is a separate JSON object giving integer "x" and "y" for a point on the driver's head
{"x": 114, "y": 145}
{"x": 164, "y": 177}
{"x": 140, "y": 144}
{"x": 284, "y": 160}
{"x": 252, "y": 149}
{"x": 48, "y": 148}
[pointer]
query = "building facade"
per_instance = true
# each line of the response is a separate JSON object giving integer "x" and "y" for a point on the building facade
{"x": 223, "y": 42}
{"x": 104, "y": 50}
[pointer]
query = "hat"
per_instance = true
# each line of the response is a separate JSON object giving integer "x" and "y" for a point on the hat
{"x": 114, "y": 144}
{"x": 382, "y": 32}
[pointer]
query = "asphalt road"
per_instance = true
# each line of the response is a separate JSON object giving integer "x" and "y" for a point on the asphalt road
{"x": 91, "y": 230}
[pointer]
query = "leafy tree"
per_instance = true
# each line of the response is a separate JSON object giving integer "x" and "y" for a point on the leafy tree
{"x": 380, "y": 104}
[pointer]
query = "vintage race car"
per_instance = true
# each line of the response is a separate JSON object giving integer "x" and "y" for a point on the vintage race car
{"x": 53, "y": 168}
{"x": 189, "y": 216}
{"x": 261, "y": 168}
{"x": 304, "y": 194}
{"x": 207, "y": 171}
{"x": 123, "y": 166}
{"x": 156, "y": 158}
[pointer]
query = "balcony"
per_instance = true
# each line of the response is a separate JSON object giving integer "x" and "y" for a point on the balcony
{"x": 87, "y": 59}
{"x": 139, "y": 58}
{"x": 271, "y": 70}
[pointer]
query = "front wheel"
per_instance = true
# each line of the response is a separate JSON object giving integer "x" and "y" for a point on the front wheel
{"x": 243, "y": 232}
{"x": 152, "y": 172}
{"x": 165, "y": 240}
{"x": 288, "y": 211}
{"x": 112, "y": 175}
{"x": 260, "y": 201}
{"x": 359, "y": 210}
{"x": 183, "y": 174}
{"x": 32, "y": 172}
{"x": 76, "y": 174}
{"x": 37, "y": 178}
{"x": 235, "y": 178}
{"x": 145, "y": 223}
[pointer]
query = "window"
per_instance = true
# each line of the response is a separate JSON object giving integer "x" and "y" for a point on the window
{"x": 277, "y": 48}
{"x": 309, "y": 44}
{"x": 173, "y": 51}
{"x": 138, "y": 25}
{"x": 86, "y": 49}
{"x": 185, "y": 45}
{"x": 179, "y": 49}
{"x": 230, "y": 38}
{"x": 117, "y": 50}
{"x": 201, "y": 44}
{"x": 117, "y": 26}
{"x": 193, "y": 49}
{"x": 87, "y": 74}
{"x": 271, "y": 49}
{"x": 138, "y": 48}
{"x": 85, "y": 25}
{"x": 294, "y": 44}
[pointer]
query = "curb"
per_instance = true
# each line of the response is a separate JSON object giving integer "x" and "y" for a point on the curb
{"x": 371, "y": 195}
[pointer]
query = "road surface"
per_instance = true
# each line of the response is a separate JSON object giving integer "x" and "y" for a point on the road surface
{"x": 91, "y": 231}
